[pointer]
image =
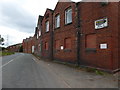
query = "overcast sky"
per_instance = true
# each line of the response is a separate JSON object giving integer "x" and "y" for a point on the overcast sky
{"x": 18, "y": 18}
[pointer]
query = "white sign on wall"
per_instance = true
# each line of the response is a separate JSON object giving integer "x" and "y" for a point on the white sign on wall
{"x": 101, "y": 23}
{"x": 103, "y": 46}
{"x": 62, "y": 47}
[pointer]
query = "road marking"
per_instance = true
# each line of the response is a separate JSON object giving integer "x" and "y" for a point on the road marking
{"x": 7, "y": 63}
{"x": 10, "y": 61}
{"x": 35, "y": 60}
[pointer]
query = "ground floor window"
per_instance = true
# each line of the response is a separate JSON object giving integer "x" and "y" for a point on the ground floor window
{"x": 57, "y": 44}
{"x": 46, "y": 45}
{"x": 67, "y": 43}
{"x": 90, "y": 41}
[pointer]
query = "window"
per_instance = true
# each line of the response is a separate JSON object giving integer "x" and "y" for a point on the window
{"x": 39, "y": 32}
{"x": 46, "y": 45}
{"x": 38, "y": 26}
{"x": 57, "y": 21}
{"x": 68, "y": 16}
{"x": 37, "y": 36}
{"x": 33, "y": 48}
{"x": 91, "y": 41}
{"x": 68, "y": 43}
{"x": 47, "y": 26}
{"x": 57, "y": 44}
{"x": 40, "y": 46}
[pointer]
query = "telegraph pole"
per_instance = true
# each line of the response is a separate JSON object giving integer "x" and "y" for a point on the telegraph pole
{"x": 7, "y": 41}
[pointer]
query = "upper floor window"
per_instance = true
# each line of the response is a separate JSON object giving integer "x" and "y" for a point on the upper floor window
{"x": 37, "y": 36}
{"x": 57, "y": 21}
{"x": 38, "y": 26}
{"x": 47, "y": 26}
{"x": 39, "y": 32}
{"x": 68, "y": 16}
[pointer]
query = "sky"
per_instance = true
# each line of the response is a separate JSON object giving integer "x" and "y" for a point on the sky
{"x": 18, "y": 18}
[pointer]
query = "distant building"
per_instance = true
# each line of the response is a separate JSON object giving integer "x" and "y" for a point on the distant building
{"x": 15, "y": 47}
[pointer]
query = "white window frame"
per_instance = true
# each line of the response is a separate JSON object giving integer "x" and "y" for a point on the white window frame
{"x": 57, "y": 21}
{"x": 68, "y": 12}
{"x": 39, "y": 32}
{"x": 33, "y": 49}
{"x": 37, "y": 36}
{"x": 47, "y": 26}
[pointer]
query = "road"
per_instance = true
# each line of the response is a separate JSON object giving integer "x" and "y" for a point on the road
{"x": 25, "y": 71}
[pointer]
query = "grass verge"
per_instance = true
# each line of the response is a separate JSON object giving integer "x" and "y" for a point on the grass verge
{"x": 6, "y": 53}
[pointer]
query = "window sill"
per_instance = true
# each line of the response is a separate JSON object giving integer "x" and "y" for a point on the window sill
{"x": 56, "y": 50}
{"x": 56, "y": 28}
{"x": 67, "y": 50}
{"x": 91, "y": 50}
{"x": 68, "y": 23}
{"x": 47, "y": 32}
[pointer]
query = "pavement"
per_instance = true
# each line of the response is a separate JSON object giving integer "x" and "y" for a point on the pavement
{"x": 26, "y": 71}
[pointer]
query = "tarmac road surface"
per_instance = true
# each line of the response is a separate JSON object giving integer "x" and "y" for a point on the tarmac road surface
{"x": 25, "y": 71}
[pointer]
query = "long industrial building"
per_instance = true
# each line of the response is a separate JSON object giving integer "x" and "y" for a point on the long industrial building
{"x": 83, "y": 33}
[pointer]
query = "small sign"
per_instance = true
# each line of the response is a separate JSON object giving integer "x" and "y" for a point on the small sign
{"x": 62, "y": 47}
{"x": 102, "y": 23}
{"x": 103, "y": 46}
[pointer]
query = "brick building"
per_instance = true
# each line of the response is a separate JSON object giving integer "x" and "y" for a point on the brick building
{"x": 85, "y": 33}
{"x": 14, "y": 48}
{"x": 65, "y": 31}
{"x": 99, "y": 46}
{"x": 47, "y": 34}
{"x": 29, "y": 45}
{"x": 25, "y": 46}
{"x": 38, "y": 36}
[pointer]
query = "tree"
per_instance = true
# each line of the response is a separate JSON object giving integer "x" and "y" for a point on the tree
{"x": 1, "y": 40}
{"x": 21, "y": 49}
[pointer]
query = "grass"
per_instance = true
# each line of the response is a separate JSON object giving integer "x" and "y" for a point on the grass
{"x": 94, "y": 70}
{"x": 6, "y": 53}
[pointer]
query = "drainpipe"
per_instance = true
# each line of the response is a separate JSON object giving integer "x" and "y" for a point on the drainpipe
{"x": 51, "y": 41}
{"x": 78, "y": 33}
{"x": 78, "y": 48}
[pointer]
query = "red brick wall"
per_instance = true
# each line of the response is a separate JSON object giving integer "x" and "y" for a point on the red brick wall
{"x": 101, "y": 58}
{"x": 90, "y": 41}
{"x": 46, "y": 36}
{"x": 119, "y": 36}
{"x": 64, "y": 32}
{"x": 24, "y": 46}
{"x": 14, "y": 48}
{"x": 90, "y": 38}
{"x": 27, "y": 44}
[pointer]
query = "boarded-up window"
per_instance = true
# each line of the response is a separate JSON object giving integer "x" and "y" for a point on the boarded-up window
{"x": 46, "y": 45}
{"x": 91, "y": 41}
{"x": 57, "y": 44}
{"x": 68, "y": 43}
